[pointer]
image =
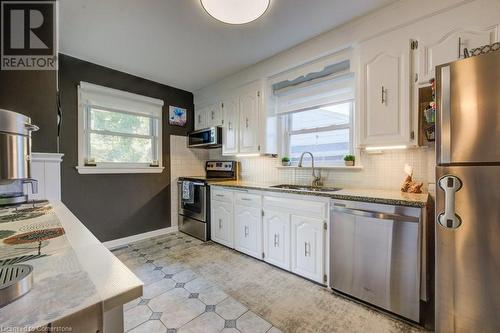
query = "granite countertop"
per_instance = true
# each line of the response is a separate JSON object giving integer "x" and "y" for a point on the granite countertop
{"x": 72, "y": 271}
{"x": 389, "y": 197}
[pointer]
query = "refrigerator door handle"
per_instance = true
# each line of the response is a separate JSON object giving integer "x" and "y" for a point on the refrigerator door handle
{"x": 450, "y": 185}
{"x": 445, "y": 112}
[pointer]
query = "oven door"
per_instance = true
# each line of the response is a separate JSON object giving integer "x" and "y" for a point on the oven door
{"x": 197, "y": 209}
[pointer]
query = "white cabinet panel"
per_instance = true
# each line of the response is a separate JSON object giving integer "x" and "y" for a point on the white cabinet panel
{"x": 222, "y": 223}
{"x": 200, "y": 118}
{"x": 385, "y": 91}
{"x": 230, "y": 130}
{"x": 214, "y": 115}
{"x": 438, "y": 49}
{"x": 249, "y": 122}
{"x": 308, "y": 239}
{"x": 277, "y": 238}
{"x": 248, "y": 230}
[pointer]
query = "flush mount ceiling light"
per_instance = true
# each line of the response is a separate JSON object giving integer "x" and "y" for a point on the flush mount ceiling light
{"x": 235, "y": 11}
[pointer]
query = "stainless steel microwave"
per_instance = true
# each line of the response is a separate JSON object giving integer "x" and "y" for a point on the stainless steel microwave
{"x": 206, "y": 138}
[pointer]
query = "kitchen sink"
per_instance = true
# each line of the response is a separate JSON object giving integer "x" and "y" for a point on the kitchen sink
{"x": 307, "y": 188}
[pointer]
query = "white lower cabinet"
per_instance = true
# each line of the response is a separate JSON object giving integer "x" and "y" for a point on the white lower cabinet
{"x": 276, "y": 227}
{"x": 286, "y": 231}
{"x": 248, "y": 230}
{"x": 222, "y": 223}
{"x": 308, "y": 239}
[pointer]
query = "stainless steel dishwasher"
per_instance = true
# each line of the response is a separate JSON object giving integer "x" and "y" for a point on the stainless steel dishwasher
{"x": 375, "y": 255}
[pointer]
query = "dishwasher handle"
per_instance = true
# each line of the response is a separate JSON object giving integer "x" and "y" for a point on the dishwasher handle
{"x": 376, "y": 215}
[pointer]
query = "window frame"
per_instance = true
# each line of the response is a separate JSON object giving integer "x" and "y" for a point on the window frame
{"x": 84, "y": 130}
{"x": 287, "y": 131}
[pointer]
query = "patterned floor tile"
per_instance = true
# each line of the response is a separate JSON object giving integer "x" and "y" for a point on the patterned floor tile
{"x": 184, "y": 276}
{"x": 151, "y": 326}
{"x": 251, "y": 323}
{"x": 230, "y": 309}
{"x": 136, "y": 316}
{"x": 182, "y": 313}
{"x": 209, "y": 322}
{"x": 157, "y": 288}
{"x": 165, "y": 301}
{"x": 197, "y": 285}
{"x": 212, "y": 295}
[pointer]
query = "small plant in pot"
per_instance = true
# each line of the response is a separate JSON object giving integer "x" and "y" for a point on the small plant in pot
{"x": 285, "y": 161}
{"x": 349, "y": 160}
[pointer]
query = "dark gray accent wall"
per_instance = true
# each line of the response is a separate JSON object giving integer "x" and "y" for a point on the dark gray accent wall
{"x": 33, "y": 93}
{"x": 120, "y": 205}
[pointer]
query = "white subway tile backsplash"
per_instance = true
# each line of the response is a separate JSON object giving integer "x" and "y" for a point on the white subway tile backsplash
{"x": 183, "y": 162}
{"x": 380, "y": 171}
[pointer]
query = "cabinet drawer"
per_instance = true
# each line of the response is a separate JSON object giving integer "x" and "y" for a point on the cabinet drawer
{"x": 249, "y": 200}
{"x": 314, "y": 209}
{"x": 222, "y": 195}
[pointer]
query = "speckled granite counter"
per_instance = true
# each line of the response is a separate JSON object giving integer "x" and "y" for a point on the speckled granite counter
{"x": 76, "y": 279}
{"x": 389, "y": 197}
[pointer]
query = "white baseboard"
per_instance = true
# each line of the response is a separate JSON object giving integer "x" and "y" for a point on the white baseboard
{"x": 116, "y": 243}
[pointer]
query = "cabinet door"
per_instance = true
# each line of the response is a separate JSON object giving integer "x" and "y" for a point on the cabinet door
{"x": 249, "y": 122}
{"x": 248, "y": 230}
{"x": 230, "y": 127}
{"x": 277, "y": 238}
{"x": 437, "y": 50}
{"x": 214, "y": 115}
{"x": 386, "y": 102}
{"x": 200, "y": 118}
{"x": 222, "y": 223}
{"x": 308, "y": 239}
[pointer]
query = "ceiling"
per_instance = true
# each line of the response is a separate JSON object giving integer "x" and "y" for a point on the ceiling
{"x": 177, "y": 43}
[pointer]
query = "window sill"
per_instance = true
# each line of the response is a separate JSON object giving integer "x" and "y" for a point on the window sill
{"x": 89, "y": 170}
{"x": 335, "y": 167}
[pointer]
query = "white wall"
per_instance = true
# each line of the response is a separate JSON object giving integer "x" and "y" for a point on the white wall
{"x": 183, "y": 162}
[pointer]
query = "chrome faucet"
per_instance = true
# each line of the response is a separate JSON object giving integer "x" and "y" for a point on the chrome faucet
{"x": 316, "y": 179}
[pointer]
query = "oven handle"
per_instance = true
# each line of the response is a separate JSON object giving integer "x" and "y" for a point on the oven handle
{"x": 195, "y": 184}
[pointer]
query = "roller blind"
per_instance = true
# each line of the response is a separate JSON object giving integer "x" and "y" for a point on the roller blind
{"x": 332, "y": 85}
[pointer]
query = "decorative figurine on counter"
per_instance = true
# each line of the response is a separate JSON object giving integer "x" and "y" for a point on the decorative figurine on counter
{"x": 409, "y": 186}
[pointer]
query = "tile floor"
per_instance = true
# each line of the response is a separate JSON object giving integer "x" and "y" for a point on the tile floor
{"x": 191, "y": 286}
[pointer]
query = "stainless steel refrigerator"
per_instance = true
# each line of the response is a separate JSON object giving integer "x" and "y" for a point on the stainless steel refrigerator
{"x": 468, "y": 195}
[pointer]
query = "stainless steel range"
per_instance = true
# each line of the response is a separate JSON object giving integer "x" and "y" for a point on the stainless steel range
{"x": 194, "y": 197}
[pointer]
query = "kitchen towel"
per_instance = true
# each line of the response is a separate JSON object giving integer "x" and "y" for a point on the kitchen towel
{"x": 187, "y": 192}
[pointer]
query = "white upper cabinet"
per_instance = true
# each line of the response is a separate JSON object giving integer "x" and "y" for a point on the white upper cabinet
{"x": 214, "y": 115}
{"x": 200, "y": 118}
{"x": 439, "y": 48}
{"x": 384, "y": 97}
{"x": 230, "y": 136}
{"x": 249, "y": 121}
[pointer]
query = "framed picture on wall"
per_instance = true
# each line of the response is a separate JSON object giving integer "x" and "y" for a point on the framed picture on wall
{"x": 177, "y": 116}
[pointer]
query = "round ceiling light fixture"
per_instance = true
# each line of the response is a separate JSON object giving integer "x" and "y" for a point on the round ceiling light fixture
{"x": 235, "y": 11}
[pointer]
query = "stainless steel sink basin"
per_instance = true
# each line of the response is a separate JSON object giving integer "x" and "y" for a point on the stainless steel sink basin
{"x": 307, "y": 188}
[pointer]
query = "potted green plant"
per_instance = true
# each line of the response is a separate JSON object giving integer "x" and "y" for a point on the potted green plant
{"x": 349, "y": 160}
{"x": 285, "y": 161}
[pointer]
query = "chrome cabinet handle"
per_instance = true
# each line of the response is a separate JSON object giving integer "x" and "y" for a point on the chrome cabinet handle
{"x": 220, "y": 223}
{"x": 384, "y": 95}
{"x": 229, "y": 126}
{"x": 246, "y": 122}
{"x": 246, "y": 199}
{"x": 220, "y": 195}
{"x": 307, "y": 252}
{"x": 213, "y": 115}
{"x": 199, "y": 118}
{"x": 276, "y": 240}
{"x": 450, "y": 185}
{"x": 246, "y": 231}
